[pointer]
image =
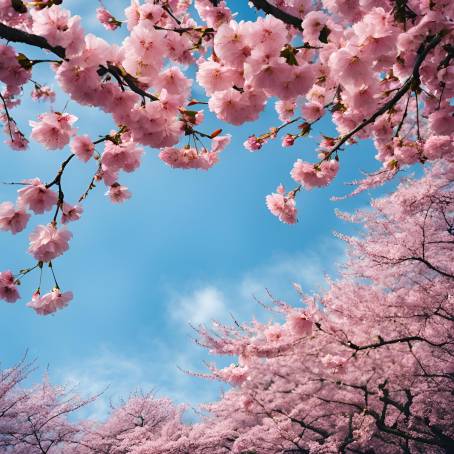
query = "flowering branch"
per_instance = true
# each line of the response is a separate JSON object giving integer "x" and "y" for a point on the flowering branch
{"x": 15, "y": 35}
{"x": 410, "y": 83}
{"x": 19, "y": 36}
{"x": 268, "y": 8}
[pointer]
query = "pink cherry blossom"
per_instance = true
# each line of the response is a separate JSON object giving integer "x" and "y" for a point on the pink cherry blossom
{"x": 233, "y": 374}
{"x": 118, "y": 193}
{"x": 231, "y": 44}
{"x": 59, "y": 28}
{"x": 71, "y": 213}
{"x": 299, "y": 324}
{"x": 50, "y": 302}
{"x": 349, "y": 68}
{"x": 312, "y": 111}
{"x": 82, "y": 147}
{"x": 253, "y": 143}
{"x": 288, "y": 140}
{"x": 16, "y": 141}
{"x": 285, "y": 109}
{"x": 107, "y": 19}
{"x": 8, "y": 287}
{"x": 190, "y": 158}
{"x": 313, "y": 24}
{"x": 53, "y": 130}
{"x": 43, "y": 93}
{"x": 283, "y": 206}
{"x": 125, "y": 157}
{"x": 437, "y": 147}
{"x": 47, "y": 242}
{"x": 36, "y": 196}
{"x": 13, "y": 218}
{"x": 219, "y": 143}
{"x": 314, "y": 175}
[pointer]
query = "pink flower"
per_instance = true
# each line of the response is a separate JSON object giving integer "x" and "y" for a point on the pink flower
{"x": 126, "y": 156}
{"x": 59, "y": 28}
{"x": 311, "y": 176}
{"x": 283, "y": 206}
{"x": 36, "y": 196}
{"x": 12, "y": 218}
{"x": 50, "y": 302}
{"x": 299, "y": 324}
{"x": 285, "y": 109}
{"x": 17, "y": 140}
{"x": 189, "y": 158}
{"x": 83, "y": 147}
{"x": 71, "y": 213}
{"x": 107, "y": 19}
{"x": 230, "y": 43}
{"x": 8, "y": 288}
{"x": 253, "y": 143}
{"x": 220, "y": 142}
{"x": 313, "y": 24}
{"x": 274, "y": 333}
{"x": 288, "y": 140}
{"x": 334, "y": 363}
{"x": 441, "y": 122}
{"x": 406, "y": 151}
{"x": 234, "y": 107}
{"x": 439, "y": 146}
{"x": 214, "y": 77}
{"x": 350, "y": 69}
{"x": 233, "y": 374}
{"x": 47, "y": 242}
{"x": 54, "y": 129}
{"x": 214, "y": 16}
{"x": 312, "y": 111}
{"x": 118, "y": 193}
{"x": 43, "y": 93}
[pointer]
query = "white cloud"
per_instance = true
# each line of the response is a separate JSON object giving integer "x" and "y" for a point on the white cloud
{"x": 199, "y": 307}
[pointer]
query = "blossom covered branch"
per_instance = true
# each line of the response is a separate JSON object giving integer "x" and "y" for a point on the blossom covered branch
{"x": 380, "y": 72}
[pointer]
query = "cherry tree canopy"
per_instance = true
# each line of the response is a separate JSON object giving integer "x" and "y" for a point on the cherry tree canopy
{"x": 379, "y": 69}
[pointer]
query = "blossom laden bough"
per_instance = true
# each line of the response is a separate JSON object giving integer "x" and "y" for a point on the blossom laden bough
{"x": 379, "y": 71}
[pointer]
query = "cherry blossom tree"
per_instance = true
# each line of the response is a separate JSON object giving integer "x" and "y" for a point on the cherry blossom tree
{"x": 35, "y": 420}
{"x": 367, "y": 365}
{"x": 380, "y": 70}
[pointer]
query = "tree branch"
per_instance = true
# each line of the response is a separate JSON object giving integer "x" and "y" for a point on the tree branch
{"x": 409, "y": 83}
{"x": 278, "y": 13}
{"x": 19, "y": 36}
{"x": 383, "y": 342}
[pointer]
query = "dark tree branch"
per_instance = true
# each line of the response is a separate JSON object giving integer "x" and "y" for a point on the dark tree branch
{"x": 268, "y": 8}
{"x": 19, "y": 36}
{"x": 383, "y": 342}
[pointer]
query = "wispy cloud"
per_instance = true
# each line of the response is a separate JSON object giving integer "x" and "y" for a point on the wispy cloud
{"x": 200, "y": 306}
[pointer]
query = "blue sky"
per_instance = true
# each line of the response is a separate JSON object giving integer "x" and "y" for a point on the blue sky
{"x": 189, "y": 246}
